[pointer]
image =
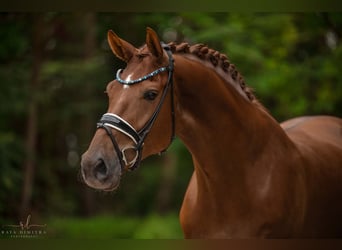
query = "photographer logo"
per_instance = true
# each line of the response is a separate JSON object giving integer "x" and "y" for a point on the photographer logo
{"x": 22, "y": 230}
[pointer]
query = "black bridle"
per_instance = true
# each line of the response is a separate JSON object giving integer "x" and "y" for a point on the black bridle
{"x": 111, "y": 121}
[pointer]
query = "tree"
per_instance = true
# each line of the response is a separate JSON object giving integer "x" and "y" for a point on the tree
{"x": 39, "y": 40}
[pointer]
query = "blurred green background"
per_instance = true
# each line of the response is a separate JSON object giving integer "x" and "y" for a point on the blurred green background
{"x": 54, "y": 70}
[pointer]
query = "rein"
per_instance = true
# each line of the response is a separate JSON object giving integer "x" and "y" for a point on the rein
{"x": 112, "y": 121}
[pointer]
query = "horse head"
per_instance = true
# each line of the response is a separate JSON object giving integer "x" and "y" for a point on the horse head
{"x": 137, "y": 122}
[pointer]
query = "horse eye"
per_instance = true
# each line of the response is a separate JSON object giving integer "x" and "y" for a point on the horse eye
{"x": 150, "y": 95}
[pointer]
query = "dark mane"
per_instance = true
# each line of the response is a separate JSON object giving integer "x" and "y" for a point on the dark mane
{"x": 217, "y": 59}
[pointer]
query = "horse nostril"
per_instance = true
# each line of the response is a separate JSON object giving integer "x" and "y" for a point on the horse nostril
{"x": 100, "y": 171}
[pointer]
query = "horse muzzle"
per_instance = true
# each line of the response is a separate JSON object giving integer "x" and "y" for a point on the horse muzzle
{"x": 99, "y": 173}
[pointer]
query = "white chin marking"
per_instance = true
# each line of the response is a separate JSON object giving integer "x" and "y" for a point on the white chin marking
{"x": 126, "y": 86}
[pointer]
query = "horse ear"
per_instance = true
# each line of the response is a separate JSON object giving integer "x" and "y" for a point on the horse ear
{"x": 121, "y": 49}
{"x": 153, "y": 43}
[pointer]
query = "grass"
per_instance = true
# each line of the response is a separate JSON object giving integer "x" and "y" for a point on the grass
{"x": 110, "y": 227}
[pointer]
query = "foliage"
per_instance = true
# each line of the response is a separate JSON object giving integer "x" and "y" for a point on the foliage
{"x": 100, "y": 227}
{"x": 159, "y": 227}
{"x": 292, "y": 60}
{"x": 109, "y": 227}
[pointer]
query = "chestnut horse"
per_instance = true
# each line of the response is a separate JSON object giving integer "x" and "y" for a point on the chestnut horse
{"x": 252, "y": 177}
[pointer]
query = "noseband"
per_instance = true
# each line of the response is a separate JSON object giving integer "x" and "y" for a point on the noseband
{"x": 112, "y": 121}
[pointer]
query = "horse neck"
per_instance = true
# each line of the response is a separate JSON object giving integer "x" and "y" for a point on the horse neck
{"x": 224, "y": 131}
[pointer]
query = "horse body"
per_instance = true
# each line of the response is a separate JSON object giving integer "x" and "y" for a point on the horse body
{"x": 252, "y": 177}
{"x": 263, "y": 180}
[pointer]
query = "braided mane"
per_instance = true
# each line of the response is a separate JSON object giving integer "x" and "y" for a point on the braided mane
{"x": 217, "y": 60}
